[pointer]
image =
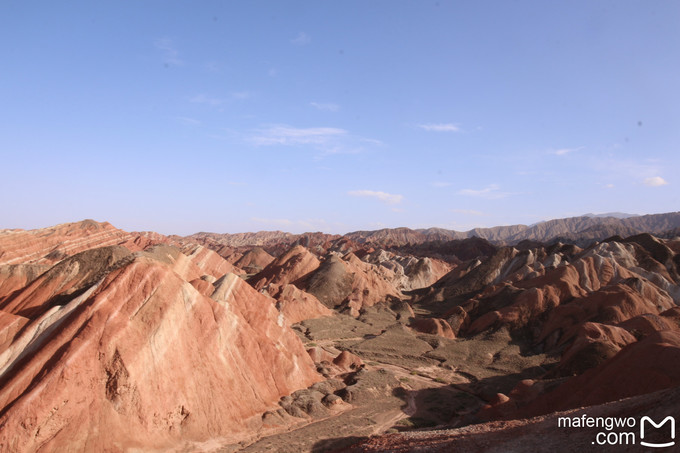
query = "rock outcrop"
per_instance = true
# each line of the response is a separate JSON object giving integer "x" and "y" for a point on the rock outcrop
{"x": 50, "y": 245}
{"x": 254, "y": 260}
{"x": 113, "y": 350}
{"x": 296, "y": 263}
{"x": 297, "y": 305}
{"x": 135, "y": 341}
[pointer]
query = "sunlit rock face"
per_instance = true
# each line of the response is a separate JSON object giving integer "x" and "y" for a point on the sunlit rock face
{"x": 113, "y": 349}
{"x": 287, "y": 268}
{"x": 51, "y": 245}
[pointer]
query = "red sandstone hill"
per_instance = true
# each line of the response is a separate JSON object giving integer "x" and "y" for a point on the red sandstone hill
{"x": 112, "y": 349}
{"x": 120, "y": 340}
{"x": 49, "y": 245}
{"x": 287, "y": 268}
{"x": 346, "y": 282}
{"x": 609, "y": 313}
{"x": 254, "y": 260}
{"x": 273, "y": 242}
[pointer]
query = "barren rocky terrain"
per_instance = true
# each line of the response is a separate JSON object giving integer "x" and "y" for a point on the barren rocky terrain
{"x": 396, "y": 340}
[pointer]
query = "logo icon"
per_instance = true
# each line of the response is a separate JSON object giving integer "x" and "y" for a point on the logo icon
{"x": 659, "y": 425}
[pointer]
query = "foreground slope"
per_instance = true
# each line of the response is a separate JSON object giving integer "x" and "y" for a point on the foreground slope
{"x": 142, "y": 344}
{"x": 137, "y": 358}
{"x": 539, "y": 433}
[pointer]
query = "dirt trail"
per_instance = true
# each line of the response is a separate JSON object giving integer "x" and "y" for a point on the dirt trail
{"x": 390, "y": 418}
{"x": 332, "y": 432}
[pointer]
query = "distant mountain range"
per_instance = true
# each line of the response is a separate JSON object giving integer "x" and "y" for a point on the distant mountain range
{"x": 578, "y": 230}
{"x": 618, "y": 215}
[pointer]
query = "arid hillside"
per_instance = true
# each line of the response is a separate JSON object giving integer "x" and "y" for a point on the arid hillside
{"x": 117, "y": 341}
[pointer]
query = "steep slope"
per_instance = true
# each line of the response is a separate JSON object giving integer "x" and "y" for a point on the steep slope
{"x": 408, "y": 272}
{"x": 111, "y": 350}
{"x": 453, "y": 251}
{"x": 645, "y": 366}
{"x": 254, "y": 260}
{"x": 15, "y": 276}
{"x": 64, "y": 281}
{"x": 142, "y": 345}
{"x": 50, "y": 245}
{"x": 607, "y": 314}
{"x": 297, "y": 305}
{"x": 273, "y": 242}
{"x": 287, "y": 268}
{"x": 209, "y": 262}
{"x": 537, "y": 434}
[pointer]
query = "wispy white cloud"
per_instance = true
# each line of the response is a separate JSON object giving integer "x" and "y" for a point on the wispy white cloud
{"x": 655, "y": 181}
{"x": 325, "y": 141}
{"x": 565, "y": 151}
{"x": 170, "y": 53}
{"x": 440, "y": 184}
{"x": 301, "y": 39}
{"x": 490, "y": 192}
{"x": 624, "y": 171}
{"x": 347, "y": 145}
{"x": 370, "y": 141}
{"x": 188, "y": 121}
{"x": 241, "y": 94}
{"x": 442, "y": 127}
{"x": 468, "y": 212}
{"x": 609, "y": 186}
{"x": 330, "y": 151}
{"x": 286, "y": 135}
{"x": 325, "y": 106}
{"x": 203, "y": 99}
{"x": 381, "y": 196}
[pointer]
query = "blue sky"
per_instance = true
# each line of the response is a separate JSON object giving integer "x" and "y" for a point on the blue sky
{"x": 221, "y": 116}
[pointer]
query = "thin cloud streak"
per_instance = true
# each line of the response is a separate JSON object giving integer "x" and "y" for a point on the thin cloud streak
{"x": 203, "y": 99}
{"x": 328, "y": 107}
{"x": 491, "y": 192}
{"x": 170, "y": 53}
{"x": 384, "y": 197}
{"x": 301, "y": 39}
{"x": 326, "y": 141}
{"x": 241, "y": 95}
{"x": 655, "y": 181}
{"x": 446, "y": 127}
{"x": 565, "y": 151}
{"x": 188, "y": 121}
{"x": 645, "y": 171}
{"x": 286, "y": 135}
